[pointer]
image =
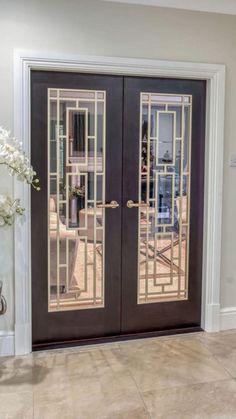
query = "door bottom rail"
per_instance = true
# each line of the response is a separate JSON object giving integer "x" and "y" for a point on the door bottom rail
{"x": 114, "y": 338}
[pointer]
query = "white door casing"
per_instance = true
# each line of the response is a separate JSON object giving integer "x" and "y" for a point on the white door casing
{"x": 214, "y": 74}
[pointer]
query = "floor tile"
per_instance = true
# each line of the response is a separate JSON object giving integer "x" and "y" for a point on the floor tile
{"x": 75, "y": 410}
{"x": 106, "y": 406}
{"x": 15, "y": 362}
{"x": 223, "y": 347}
{"x": 21, "y": 378}
{"x": 53, "y": 411}
{"x": 123, "y": 380}
{"x": 113, "y": 394}
{"x": 170, "y": 363}
{"x": 215, "y": 400}
{"x": 84, "y": 361}
{"x": 88, "y": 385}
{"x": 17, "y": 405}
{"x": 139, "y": 413}
{"x": 219, "y": 343}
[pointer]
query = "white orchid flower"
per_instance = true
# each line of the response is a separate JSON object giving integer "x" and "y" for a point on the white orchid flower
{"x": 16, "y": 162}
{"x": 8, "y": 209}
{"x": 14, "y": 158}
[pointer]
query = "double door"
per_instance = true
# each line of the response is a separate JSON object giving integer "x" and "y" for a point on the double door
{"x": 117, "y": 225}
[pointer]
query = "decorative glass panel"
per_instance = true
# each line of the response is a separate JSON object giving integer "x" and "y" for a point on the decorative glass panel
{"x": 76, "y": 182}
{"x": 164, "y": 183}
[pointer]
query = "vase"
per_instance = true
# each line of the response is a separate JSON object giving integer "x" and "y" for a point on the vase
{"x": 74, "y": 210}
{"x": 3, "y": 303}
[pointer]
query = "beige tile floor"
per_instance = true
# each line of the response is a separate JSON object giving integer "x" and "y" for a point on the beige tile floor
{"x": 187, "y": 376}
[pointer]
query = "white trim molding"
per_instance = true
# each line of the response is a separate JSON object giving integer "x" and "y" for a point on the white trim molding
{"x": 228, "y": 318}
{"x": 216, "y": 6}
{"x": 214, "y": 74}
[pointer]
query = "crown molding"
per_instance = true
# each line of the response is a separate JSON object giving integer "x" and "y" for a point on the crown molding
{"x": 211, "y": 6}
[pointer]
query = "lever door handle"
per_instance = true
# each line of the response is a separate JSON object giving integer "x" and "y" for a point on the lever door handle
{"x": 112, "y": 204}
{"x": 132, "y": 204}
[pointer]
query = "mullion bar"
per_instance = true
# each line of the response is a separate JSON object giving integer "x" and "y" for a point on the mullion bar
{"x": 48, "y": 197}
{"x": 148, "y": 194}
{"x": 139, "y": 197}
{"x": 181, "y": 200}
{"x": 95, "y": 200}
{"x": 57, "y": 198}
{"x": 188, "y": 195}
{"x": 103, "y": 199}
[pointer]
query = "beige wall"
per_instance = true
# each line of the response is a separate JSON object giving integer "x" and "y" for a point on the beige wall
{"x": 101, "y": 28}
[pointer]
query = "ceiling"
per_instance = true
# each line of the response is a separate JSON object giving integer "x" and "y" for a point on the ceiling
{"x": 213, "y": 6}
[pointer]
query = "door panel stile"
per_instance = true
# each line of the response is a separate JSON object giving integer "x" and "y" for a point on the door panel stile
{"x": 163, "y": 291}
{"x": 75, "y": 290}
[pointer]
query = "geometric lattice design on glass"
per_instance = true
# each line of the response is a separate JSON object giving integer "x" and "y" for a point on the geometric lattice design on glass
{"x": 76, "y": 182}
{"x": 164, "y": 184}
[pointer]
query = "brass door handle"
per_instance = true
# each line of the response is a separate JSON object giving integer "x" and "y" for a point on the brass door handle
{"x": 112, "y": 204}
{"x": 132, "y": 204}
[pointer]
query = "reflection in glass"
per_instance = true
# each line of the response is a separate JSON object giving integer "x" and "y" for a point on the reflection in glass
{"x": 178, "y": 119}
{"x": 165, "y": 141}
{"x": 165, "y": 155}
{"x": 164, "y": 199}
{"x": 90, "y": 106}
{"x": 77, "y": 136}
{"x": 64, "y": 105}
{"x": 76, "y": 143}
{"x": 76, "y": 199}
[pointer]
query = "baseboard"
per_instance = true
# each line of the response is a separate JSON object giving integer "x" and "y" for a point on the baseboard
{"x": 211, "y": 318}
{"x": 228, "y": 318}
{"x": 23, "y": 339}
{"x": 7, "y": 343}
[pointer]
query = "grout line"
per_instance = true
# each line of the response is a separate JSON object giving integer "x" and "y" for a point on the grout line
{"x": 187, "y": 385}
{"x": 217, "y": 359}
{"x": 139, "y": 392}
{"x": 144, "y": 403}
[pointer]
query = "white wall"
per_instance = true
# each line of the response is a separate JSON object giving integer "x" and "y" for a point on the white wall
{"x": 94, "y": 27}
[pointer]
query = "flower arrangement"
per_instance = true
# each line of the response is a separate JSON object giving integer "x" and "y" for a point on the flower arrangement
{"x": 14, "y": 159}
{"x": 75, "y": 191}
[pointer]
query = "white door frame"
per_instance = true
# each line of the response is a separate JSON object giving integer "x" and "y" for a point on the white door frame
{"x": 214, "y": 74}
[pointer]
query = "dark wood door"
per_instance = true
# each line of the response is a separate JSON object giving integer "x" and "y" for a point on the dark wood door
{"x": 76, "y": 131}
{"x": 163, "y": 167}
{"x": 104, "y": 269}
